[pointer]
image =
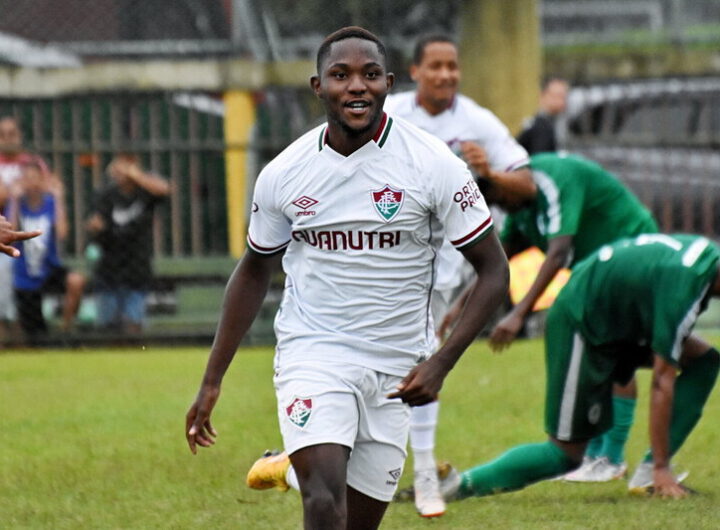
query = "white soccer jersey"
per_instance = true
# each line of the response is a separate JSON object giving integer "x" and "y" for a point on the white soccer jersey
{"x": 463, "y": 121}
{"x": 360, "y": 242}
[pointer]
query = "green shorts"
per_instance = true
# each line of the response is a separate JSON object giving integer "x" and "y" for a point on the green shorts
{"x": 578, "y": 400}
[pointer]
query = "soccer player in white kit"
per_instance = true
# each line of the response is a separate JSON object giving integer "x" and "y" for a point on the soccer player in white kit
{"x": 477, "y": 136}
{"x": 349, "y": 209}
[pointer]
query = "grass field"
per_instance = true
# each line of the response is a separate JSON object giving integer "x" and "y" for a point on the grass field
{"x": 94, "y": 439}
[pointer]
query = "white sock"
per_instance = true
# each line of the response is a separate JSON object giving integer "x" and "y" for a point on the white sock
{"x": 291, "y": 478}
{"x": 423, "y": 422}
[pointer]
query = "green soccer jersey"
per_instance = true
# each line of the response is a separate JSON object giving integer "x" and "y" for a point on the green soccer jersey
{"x": 645, "y": 291}
{"x": 577, "y": 197}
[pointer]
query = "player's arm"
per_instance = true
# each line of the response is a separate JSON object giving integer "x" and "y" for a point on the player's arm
{"x": 558, "y": 252}
{"x": 519, "y": 179}
{"x": 243, "y": 298}
{"x": 423, "y": 383}
{"x": 661, "y": 404}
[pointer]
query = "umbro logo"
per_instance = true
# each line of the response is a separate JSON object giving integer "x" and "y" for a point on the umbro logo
{"x": 304, "y": 203}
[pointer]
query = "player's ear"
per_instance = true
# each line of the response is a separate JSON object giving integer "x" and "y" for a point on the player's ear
{"x": 390, "y": 79}
{"x": 413, "y": 72}
{"x": 315, "y": 85}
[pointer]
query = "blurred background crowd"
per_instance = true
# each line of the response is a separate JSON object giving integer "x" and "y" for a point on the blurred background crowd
{"x": 131, "y": 131}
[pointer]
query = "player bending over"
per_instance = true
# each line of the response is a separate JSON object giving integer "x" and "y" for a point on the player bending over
{"x": 631, "y": 304}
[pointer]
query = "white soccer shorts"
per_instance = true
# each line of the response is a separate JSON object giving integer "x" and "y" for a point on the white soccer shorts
{"x": 347, "y": 405}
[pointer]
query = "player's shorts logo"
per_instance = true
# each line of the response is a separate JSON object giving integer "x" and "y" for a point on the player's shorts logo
{"x": 299, "y": 411}
{"x": 387, "y": 202}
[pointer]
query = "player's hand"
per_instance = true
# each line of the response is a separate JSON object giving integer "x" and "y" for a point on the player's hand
{"x": 422, "y": 384}
{"x": 505, "y": 331}
{"x": 666, "y": 486}
{"x": 198, "y": 429}
{"x": 8, "y": 235}
{"x": 476, "y": 157}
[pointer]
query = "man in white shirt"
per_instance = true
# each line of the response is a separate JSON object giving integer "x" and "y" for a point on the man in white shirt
{"x": 348, "y": 210}
{"x": 477, "y": 136}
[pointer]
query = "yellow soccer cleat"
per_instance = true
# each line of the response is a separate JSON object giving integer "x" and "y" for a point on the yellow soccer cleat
{"x": 269, "y": 471}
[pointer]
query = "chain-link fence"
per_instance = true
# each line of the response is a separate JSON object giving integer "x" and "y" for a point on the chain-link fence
{"x": 163, "y": 249}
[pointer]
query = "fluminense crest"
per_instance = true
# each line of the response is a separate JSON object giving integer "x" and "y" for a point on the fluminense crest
{"x": 387, "y": 202}
{"x": 299, "y": 411}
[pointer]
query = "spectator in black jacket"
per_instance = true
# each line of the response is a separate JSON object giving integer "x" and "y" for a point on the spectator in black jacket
{"x": 538, "y": 134}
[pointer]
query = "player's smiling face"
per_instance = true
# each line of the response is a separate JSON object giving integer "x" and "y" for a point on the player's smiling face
{"x": 437, "y": 76}
{"x": 353, "y": 84}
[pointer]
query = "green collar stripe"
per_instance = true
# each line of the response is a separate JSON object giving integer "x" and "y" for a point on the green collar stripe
{"x": 387, "y": 131}
{"x": 322, "y": 138}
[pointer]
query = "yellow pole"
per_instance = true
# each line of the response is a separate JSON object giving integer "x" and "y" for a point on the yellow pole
{"x": 239, "y": 121}
{"x": 500, "y": 55}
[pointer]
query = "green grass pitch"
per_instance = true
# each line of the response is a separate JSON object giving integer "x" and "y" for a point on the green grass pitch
{"x": 94, "y": 439}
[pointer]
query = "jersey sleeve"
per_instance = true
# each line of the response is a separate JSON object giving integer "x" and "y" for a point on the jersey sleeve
{"x": 674, "y": 318}
{"x": 269, "y": 229}
{"x": 503, "y": 151}
{"x": 565, "y": 196}
{"x": 680, "y": 295}
{"x": 460, "y": 206}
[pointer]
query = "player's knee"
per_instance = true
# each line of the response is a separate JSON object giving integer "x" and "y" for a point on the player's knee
{"x": 323, "y": 506}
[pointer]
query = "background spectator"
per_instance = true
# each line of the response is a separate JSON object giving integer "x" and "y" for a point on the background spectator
{"x": 121, "y": 225}
{"x": 538, "y": 134}
{"x": 39, "y": 205}
{"x": 12, "y": 157}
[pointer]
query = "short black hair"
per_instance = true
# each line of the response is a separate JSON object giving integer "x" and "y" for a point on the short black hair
{"x": 423, "y": 42}
{"x": 349, "y": 32}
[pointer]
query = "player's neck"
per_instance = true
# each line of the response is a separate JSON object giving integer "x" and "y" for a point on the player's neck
{"x": 345, "y": 142}
{"x": 434, "y": 107}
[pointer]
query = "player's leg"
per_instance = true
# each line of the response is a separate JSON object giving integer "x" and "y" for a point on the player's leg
{"x": 614, "y": 440}
{"x": 521, "y": 466}
{"x": 318, "y": 412}
{"x": 321, "y": 472}
{"x": 364, "y": 512}
{"x": 604, "y": 458}
{"x": 700, "y": 364}
{"x": 578, "y": 407}
{"x": 423, "y": 425}
{"x": 378, "y": 458}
